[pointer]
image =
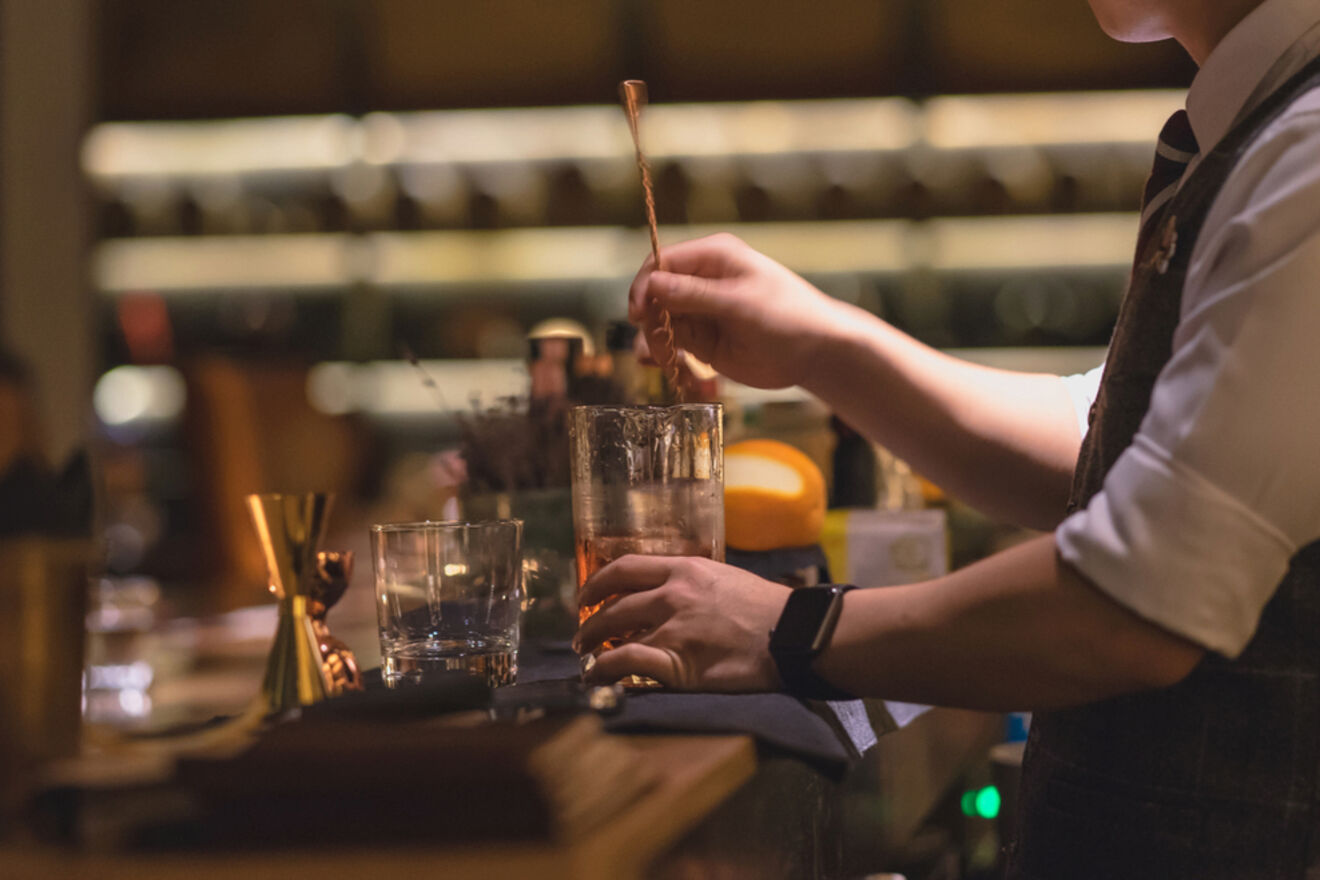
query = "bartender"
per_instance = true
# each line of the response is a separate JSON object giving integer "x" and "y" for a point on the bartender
{"x": 1166, "y": 630}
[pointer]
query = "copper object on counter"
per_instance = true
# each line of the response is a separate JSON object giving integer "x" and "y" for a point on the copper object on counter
{"x": 632, "y": 92}
{"x": 338, "y": 664}
{"x": 306, "y": 664}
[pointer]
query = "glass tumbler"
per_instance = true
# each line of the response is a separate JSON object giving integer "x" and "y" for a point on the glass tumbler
{"x": 448, "y": 597}
{"x": 646, "y": 480}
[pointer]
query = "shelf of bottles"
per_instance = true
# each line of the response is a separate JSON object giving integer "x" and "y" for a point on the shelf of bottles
{"x": 970, "y": 221}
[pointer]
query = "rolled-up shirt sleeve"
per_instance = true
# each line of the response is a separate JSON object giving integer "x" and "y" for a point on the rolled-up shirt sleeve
{"x": 1198, "y": 519}
{"x": 1177, "y": 550}
{"x": 1082, "y": 389}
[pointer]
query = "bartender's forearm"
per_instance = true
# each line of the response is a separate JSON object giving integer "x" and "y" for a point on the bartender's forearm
{"x": 1016, "y": 631}
{"x": 1002, "y": 441}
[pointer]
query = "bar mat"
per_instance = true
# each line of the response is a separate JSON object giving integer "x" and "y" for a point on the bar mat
{"x": 829, "y": 736}
{"x": 776, "y": 720}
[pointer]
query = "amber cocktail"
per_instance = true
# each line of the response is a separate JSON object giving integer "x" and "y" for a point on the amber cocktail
{"x": 646, "y": 480}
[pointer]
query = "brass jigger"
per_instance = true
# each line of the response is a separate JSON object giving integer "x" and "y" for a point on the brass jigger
{"x": 306, "y": 663}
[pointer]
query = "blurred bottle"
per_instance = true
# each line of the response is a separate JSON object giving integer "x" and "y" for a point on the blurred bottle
{"x": 550, "y": 364}
{"x": 593, "y": 380}
{"x": 672, "y": 190}
{"x": 898, "y": 487}
{"x": 570, "y": 200}
{"x": 854, "y": 467}
{"x": 629, "y": 376}
{"x": 368, "y": 194}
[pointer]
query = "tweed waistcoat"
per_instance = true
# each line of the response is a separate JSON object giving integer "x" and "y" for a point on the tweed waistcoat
{"x": 1216, "y": 776}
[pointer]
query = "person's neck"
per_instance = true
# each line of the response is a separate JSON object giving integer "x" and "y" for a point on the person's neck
{"x": 1208, "y": 23}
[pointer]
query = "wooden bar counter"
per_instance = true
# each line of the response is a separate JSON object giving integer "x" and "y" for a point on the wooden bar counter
{"x": 696, "y": 774}
{"x": 721, "y": 808}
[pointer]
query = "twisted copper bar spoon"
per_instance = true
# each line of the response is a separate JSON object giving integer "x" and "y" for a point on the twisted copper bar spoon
{"x": 632, "y": 92}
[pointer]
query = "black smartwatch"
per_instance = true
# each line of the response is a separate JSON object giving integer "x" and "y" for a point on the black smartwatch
{"x": 804, "y": 630}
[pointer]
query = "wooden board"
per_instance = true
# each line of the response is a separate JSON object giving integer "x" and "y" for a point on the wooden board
{"x": 697, "y": 773}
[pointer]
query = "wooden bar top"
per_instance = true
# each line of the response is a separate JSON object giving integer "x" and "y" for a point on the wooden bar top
{"x": 697, "y": 773}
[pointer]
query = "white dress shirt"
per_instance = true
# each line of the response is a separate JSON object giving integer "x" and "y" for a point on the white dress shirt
{"x": 1198, "y": 518}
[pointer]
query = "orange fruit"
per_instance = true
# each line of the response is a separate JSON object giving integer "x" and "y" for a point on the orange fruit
{"x": 774, "y": 496}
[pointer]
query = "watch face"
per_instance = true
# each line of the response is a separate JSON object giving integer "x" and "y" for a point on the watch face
{"x": 802, "y": 618}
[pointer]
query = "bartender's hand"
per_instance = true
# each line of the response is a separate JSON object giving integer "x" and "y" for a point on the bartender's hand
{"x": 698, "y": 625}
{"x": 747, "y": 316}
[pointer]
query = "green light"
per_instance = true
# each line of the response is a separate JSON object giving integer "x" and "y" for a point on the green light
{"x": 969, "y": 803}
{"x": 987, "y": 802}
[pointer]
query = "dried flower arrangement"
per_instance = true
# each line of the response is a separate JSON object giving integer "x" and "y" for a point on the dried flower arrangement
{"x": 516, "y": 445}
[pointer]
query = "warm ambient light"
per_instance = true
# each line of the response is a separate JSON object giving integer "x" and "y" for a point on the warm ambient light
{"x": 226, "y": 146}
{"x": 398, "y": 389}
{"x": 609, "y": 254}
{"x": 984, "y": 121}
{"x": 127, "y": 394}
{"x": 225, "y": 262}
{"x": 126, "y": 150}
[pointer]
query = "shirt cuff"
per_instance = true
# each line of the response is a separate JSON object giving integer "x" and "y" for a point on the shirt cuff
{"x": 1082, "y": 389}
{"x": 1164, "y": 542}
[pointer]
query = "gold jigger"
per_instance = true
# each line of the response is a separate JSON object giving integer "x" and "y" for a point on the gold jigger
{"x": 306, "y": 664}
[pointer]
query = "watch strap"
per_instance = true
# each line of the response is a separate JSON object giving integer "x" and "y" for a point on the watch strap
{"x": 801, "y": 680}
{"x": 794, "y": 662}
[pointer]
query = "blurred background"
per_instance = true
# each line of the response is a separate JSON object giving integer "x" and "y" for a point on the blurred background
{"x": 226, "y": 227}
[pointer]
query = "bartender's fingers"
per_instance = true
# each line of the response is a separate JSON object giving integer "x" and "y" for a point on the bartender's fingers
{"x": 705, "y": 259}
{"x": 693, "y": 295}
{"x": 712, "y": 256}
{"x": 636, "y": 658}
{"x": 697, "y": 337}
{"x": 631, "y": 613}
{"x": 659, "y": 341}
{"x": 700, "y": 338}
{"x": 627, "y": 574}
{"x": 639, "y": 299}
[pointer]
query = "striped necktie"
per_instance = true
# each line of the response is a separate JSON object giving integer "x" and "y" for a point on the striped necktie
{"x": 1176, "y": 147}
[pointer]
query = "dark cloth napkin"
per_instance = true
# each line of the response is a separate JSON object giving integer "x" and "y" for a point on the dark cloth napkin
{"x": 776, "y": 720}
{"x": 829, "y": 736}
